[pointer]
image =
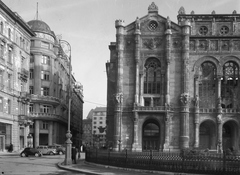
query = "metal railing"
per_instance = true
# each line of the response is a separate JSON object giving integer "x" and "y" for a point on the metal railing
{"x": 220, "y": 164}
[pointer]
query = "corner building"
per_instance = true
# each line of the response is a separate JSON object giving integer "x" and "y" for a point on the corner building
{"x": 174, "y": 86}
{"x": 48, "y": 89}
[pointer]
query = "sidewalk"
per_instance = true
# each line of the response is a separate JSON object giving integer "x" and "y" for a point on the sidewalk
{"x": 96, "y": 169}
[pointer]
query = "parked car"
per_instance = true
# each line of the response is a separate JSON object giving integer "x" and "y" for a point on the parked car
{"x": 30, "y": 151}
{"x": 59, "y": 149}
{"x": 47, "y": 150}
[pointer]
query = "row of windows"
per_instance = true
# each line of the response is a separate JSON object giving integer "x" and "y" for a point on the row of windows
{"x": 203, "y": 30}
{"x": 7, "y": 81}
{"x": 44, "y": 90}
{"x": 45, "y": 75}
{"x": 98, "y": 118}
{"x": 43, "y": 108}
{"x": 98, "y": 122}
{"x": 8, "y": 106}
{"x": 45, "y": 59}
{"x": 9, "y": 53}
{"x": 22, "y": 43}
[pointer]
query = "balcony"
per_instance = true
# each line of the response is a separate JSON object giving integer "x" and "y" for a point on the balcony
{"x": 51, "y": 116}
{"x": 151, "y": 109}
{"x": 213, "y": 110}
{"x": 45, "y": 99}
{"x": 23, "y": 74}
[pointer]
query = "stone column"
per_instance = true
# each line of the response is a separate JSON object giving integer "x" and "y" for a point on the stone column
{"x": 137, "y": 34}
{"x": 141, "y": 89}
{"x": 168, "y": 58}
{"x": 184, "y": 98}
{"x": 36, "y": 133}
{"x": 162, "y": 89}
{"x": 136, "y": 146}
{"x": 196, "y": 112}
{"x": 219, "y": 115}
{"x": 219, "y": 144}
{"x": 119, "y": 24}
{"x": 50, "y": 133}
{"x": 167, "y": 131}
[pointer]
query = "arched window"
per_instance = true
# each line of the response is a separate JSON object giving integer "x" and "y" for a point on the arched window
{"x": 207, "y": 85}
{"x": 229, "y": 85}
{"x": 152, "y": 76}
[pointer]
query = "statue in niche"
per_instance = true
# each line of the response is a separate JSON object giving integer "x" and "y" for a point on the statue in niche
{"x": 184, "y": 98}
{"x": 196, "y": 101}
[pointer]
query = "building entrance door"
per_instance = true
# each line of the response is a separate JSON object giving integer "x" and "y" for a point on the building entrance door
{"x": 151, "y": 135}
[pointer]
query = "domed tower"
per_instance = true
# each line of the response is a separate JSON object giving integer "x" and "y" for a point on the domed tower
{"x": 48, "y": 91}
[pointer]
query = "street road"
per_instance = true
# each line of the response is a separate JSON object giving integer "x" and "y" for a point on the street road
{"x": 13, "y": 164}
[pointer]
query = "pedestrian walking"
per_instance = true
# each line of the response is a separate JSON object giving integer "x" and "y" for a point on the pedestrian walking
{"x": 74, "y": 154}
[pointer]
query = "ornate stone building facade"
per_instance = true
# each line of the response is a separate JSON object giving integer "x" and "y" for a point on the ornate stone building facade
{"x": 49, "y": 90}
{"x": 174, "y": 86}
{"x": 15, "y": 37}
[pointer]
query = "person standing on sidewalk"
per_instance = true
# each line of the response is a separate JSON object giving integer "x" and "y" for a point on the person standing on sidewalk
{"x": 74, "y": 154}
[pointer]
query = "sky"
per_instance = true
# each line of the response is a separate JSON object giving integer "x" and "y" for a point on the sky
{"x": 89, "y": 27}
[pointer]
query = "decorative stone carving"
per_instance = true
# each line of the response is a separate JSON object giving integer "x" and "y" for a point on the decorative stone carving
{"x": 181, "y": 11}
{"x": 213, "y": 12}
{"x": 152, "y": 43}
{"x": 225, "y": 45}
{"x": 213, "y": 45}
{"x": 219, "y": 118}
{"x": 236, "y": 45}
{"x": 202, "y": 45}
{"x": 177, "y": 43}
{"x": 119, "y": 98}
{"x": 192, "y": 12}
{"x": 234, "y": 12}
{"x": 196, "y": 101}
{"x": 168, "y": 23}
{"x": 153, "y": 8}
{"x": 137, "y": 24}
{"x": 184, "y": 98}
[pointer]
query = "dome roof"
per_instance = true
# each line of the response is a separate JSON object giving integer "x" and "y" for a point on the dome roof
{"x": 39, "y": 26}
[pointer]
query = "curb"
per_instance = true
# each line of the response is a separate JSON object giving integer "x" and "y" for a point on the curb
{"x": 118, "y": 168}
{"x": 75, "y": 169}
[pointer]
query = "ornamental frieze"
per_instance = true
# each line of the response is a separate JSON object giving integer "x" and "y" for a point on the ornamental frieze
{"x": 225, "y": 45}
{"x": 202, "y": 45}
{"x": 236, "y": 45}
{"x": 152, "y": 43}
{"x": 213, "y": 45}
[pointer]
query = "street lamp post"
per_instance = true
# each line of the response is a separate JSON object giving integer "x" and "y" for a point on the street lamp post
{"x": 67, "y": 51}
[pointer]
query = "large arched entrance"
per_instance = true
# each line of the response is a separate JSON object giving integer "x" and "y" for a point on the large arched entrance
{"x": 230, "y": 135}
{"x": 151, "y": 135}
{"x": 207, "y": 135}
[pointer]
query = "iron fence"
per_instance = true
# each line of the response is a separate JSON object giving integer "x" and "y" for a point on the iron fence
{"x": 220, "y": 164}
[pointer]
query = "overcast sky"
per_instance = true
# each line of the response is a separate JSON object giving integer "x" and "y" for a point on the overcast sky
{"x": 89, "y": 26}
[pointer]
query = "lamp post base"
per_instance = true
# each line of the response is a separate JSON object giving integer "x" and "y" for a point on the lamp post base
{"x": 68, "y": 151}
